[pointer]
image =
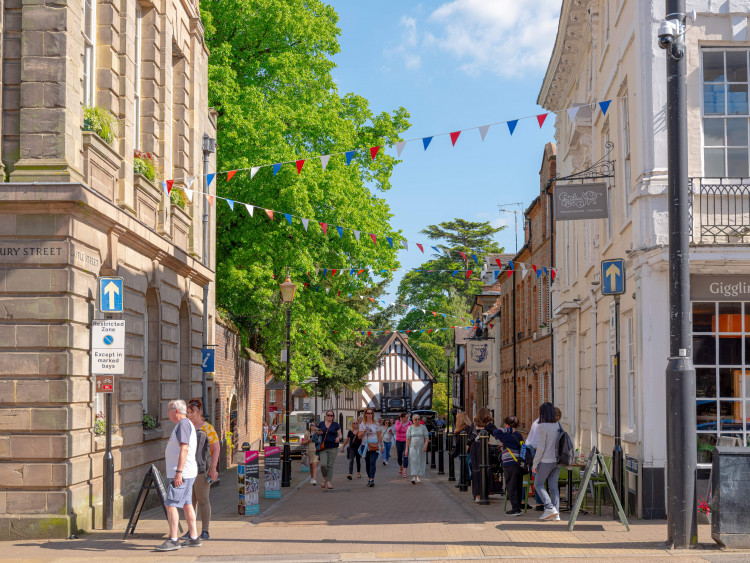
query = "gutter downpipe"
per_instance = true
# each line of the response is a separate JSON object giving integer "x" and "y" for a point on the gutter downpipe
{"x": 594, "y": 390}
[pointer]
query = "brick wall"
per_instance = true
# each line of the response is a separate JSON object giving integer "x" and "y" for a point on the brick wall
{"x": 239, "y": 385}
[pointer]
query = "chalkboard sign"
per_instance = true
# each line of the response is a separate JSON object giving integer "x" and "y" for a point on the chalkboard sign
{"x": 152, "y": 481}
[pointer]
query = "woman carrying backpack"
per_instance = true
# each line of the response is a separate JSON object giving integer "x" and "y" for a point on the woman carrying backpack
{"x": 352, "y": 454}
{"x": 546, "y": 467}
{"x": 207, "y": 464}
{"x": 512, "y": 472}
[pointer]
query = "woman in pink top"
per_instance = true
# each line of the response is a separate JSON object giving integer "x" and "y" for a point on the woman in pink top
{"x": 402, "y": 425}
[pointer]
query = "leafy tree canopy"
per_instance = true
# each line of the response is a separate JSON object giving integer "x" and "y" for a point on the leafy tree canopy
{"x": 270, "y": 82}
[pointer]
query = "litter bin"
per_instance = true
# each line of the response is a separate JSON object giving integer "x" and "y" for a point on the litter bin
{"x": 730, "y": 483}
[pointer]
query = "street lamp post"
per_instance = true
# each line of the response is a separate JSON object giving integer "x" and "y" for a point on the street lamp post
{"x": 448, "y": 353}
{"x": 287, "y": 296}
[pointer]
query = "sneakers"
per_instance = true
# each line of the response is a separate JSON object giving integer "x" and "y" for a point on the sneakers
{"x": 190, "y": 542}
{"x": 371, "y": 483}
{"x": 539, "y": 507}
{"x": 205, "y": 536}
{"x": 513, "y": 513}
{"x": 313, "y": 482}
{"x": 349, "y": 476}
{"x": 555, "y": 518}
{"x": 169, "y": 545}
{"x": 384, "y": 463}
{"x": 419, "y": 480}
{"x": 548, "y": 514}
{"x": 413, "y": 480}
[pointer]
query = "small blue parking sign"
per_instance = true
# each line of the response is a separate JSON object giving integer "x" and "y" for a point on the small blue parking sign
{"x": 110, "y": 295}
{"x": 207, "y": 360}
{"x": 613, "y": 276}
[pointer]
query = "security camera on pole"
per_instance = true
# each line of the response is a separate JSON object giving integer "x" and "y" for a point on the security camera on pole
{"x": 681, "y": 439}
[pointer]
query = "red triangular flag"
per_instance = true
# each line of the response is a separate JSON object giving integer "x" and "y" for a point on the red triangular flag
{"x": 300, "y": 164}
{"x": 269, "y": 212}
{"x": 454, "y": 137}
{"x": 533, "y": 267}
{"x": 510, "y": 273}
{"x": 371, "y": 299}
{"x": 419, "y": 246}
{"x": 369, "y": 333}
{"x": 434, "y": 314}
{"x": 540, "y": 118}
{"x": 360, "y": 272}
{"x": 210, "y": 200}
{"x": 374, "y": 238}
{"x": 552, "y": 274}
{"x": 324, "y": 226}
{"x": 170, "y": 183}
{"x": 499, "y": 264}
{"x": 468, "y": 273}
{"x": 462, "y": 255}
{"x": 429, "y": 331}
{"x": 374, "y": 152}
{"x": 333, "y": 273}
{"x": 230, "y": 174}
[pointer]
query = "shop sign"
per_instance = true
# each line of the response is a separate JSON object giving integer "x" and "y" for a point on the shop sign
{"x": 720, "y": 288}
{"x": 580, "y": 201}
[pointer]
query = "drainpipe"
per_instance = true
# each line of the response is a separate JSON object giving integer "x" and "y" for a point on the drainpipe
{"x": 594, "y": 390}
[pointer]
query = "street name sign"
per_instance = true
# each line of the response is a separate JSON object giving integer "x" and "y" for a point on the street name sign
{"x": 107, "y": 347}
{"x": 613, "y": 276}
{"x": 207, "y": 360}
{"x": 110, "y": 295}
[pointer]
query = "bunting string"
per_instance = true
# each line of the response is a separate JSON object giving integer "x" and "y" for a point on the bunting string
{"x": 369, "y": 332}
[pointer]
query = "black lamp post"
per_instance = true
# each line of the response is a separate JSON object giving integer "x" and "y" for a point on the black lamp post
{"x": 448, "y": 354}
{"x": 287, "y": 296}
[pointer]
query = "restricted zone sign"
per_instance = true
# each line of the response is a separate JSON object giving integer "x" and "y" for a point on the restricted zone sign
{"x": 107, "y": 351}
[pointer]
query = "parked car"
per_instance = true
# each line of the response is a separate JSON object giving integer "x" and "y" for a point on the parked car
{"x": 299, "y": 422}
{"x": 427, "y": 416}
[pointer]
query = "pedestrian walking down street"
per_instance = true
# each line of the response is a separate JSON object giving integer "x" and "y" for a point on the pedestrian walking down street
{"x": 207, "y": 472}
{"x": 351, "y": 445}
{"x": 511, "y": 440}
{"x": 416, "y": 449}
{"x": 400, "y": 428}
{"x": 182, "y": 470}
{"x": 463, "y": 423}
{"x": 545, "y": 466}
{"x": 372, "y": 439}
{"x": 312, "y": 440}
{"x": 387, "y": 440}
{"x": 330, "y": 433}
{"x": 482, "y": 419}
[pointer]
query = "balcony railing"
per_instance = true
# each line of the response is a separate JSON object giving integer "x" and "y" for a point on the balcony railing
{"x": 719, "y": 210}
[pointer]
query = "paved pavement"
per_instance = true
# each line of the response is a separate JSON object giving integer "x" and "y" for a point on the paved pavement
{"x": 394, "y": 521}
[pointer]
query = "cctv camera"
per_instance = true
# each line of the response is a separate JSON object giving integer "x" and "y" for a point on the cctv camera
{"x": 667, "y": 33}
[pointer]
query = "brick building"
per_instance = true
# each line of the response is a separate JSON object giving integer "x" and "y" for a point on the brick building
{"x": 275, "y": 400}
{"x": 237, "y": 392}
{"x": 75, "y": 209}
{"x": 525, "y": 334}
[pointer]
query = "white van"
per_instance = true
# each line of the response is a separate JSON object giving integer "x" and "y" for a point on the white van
{"x": 298, "y": 424}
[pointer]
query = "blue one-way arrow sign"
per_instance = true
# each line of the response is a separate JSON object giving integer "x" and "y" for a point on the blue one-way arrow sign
{"x": 207, "y": 360}
{"x": 613, "y": 276}
{"x": 110, "y": 295}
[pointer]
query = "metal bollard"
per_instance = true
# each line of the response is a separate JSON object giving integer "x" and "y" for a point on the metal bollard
{"x": 449, "y": 440}
{"x": 441, "y": 462}
{"x": 433, "y": 447}
{"x": 463, "y": 481}
{"x": 484, "y": 468}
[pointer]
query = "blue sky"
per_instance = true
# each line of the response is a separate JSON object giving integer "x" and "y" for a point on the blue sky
{"x": 453, "y": 65}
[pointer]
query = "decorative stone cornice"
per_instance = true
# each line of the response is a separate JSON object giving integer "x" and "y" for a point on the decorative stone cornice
{"x": 572, "y": 32}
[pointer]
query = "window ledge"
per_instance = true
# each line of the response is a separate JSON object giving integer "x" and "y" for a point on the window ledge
{"x": 607, "y": 431}
{"x": 152, "y": 434}
{"x": 100, "y": 442}
{"x": 630, "y": 436}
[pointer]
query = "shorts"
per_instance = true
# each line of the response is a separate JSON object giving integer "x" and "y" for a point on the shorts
{"x": 180, "y": 496}
{"x": 313, "y": 459}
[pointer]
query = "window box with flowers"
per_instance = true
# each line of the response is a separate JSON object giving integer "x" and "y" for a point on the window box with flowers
{"x": 180, "y": 218}
{"x": 101, "y": 162}
{"x": 148, "y": 197}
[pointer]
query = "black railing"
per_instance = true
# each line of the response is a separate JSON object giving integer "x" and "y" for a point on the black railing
{"x": 719, "y": 210}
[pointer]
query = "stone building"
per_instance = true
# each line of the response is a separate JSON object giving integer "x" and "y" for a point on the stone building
{"x": 608, "y": 51}
{"x": 73, "y": 209}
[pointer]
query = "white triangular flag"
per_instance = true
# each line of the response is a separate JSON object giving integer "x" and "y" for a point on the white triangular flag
{"x": 356, "y": 235}
{"x": 324, "y": 160}
{"x": 405, "y": 243}
{"x": 254, "y": 171}
{"x": 249, "y": 209}
{"x": 572, "y": 112}
{"x": 400, "y": 147}
{"x": 483, "y": 131}
{"x": 316, "y": 270}
{"x": 305, "y": 222}
{"x": 328, "y": 289}
{"x": 447, "y": 252}
{"x": 361, "y": 297}
{"x": 523, "y": 271}
{"x": 188, "y": 191}
{"x": 341, "y": 272}
{"x": 190, "y": 182}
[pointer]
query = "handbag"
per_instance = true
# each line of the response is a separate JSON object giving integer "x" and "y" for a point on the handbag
{"x": 322, "y": 445}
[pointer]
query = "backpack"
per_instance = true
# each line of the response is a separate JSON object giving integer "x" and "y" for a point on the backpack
{"x": 565, "y": 450}
{"x": 526, "y": 458}
{"x": 203, "y": 452}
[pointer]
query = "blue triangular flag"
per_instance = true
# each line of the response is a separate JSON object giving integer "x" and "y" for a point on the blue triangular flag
{"x": 436, "y": 249}
{"x": 341, "y": 231}
{"x": 276, "y": 168}
{"x": 325, "y": 271}
{"x": 164, "y": 185}
{"x": 605, "y": 106}
{"x": 426, "y": 142}
{"x": 390, "y": 241}
{"x": 497, "y": 273}
{"x": 474, "y": 256}
{"x": 351, "y": 272}
{"x": 454, "y": 273}
{"x": 510, "y": 265}
{"x": 230, "y": 203}
{"x": 288, "y": 217}
{"x": 512, "y": 125}
{"x": 538, "y": 272}
{"x": 349, "y": 155}
{"x": 546, "y": 273}
{"x": 210, "y": 178}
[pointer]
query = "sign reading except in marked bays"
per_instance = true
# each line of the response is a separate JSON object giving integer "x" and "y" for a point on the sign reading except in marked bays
{"x": 107, "y": 348}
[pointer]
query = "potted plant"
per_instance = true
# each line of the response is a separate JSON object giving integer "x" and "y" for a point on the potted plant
{"x": 143, "y": 163}
{"x": 704, "y": 510}
{"x": 101, "y": 122}
{"x": 149, "y": 422}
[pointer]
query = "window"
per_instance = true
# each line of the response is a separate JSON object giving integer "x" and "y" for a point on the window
{"x": 89, "y": 44}
{"x": 630, "y": 356}
{"x": 152, "y": 355}
{"x": 272, "y": 396}
{"x": 395, "y": 390}
{"x": 625, "y": 116}
{"x": 721, "y": 350}
{"x": 725, "y": 113}
{"x": 138, "y": 56}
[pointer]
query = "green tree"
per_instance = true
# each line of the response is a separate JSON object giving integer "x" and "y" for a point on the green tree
{"x": 271, "y": 85}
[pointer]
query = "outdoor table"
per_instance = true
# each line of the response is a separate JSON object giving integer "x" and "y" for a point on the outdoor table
{"x": 569, "y": 492}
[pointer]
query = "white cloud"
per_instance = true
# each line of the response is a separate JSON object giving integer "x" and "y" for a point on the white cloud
{"x": 505, "y": 37}
{"x": 500, "y": 222}
{"x": 406, "y": 50}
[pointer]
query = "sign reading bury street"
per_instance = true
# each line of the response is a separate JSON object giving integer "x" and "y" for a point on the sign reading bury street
{"x": 110, "y": 295}
{"x": 613, "y": 276}
{"x": 580, "y": 201}
{"x": 107, "y": 347}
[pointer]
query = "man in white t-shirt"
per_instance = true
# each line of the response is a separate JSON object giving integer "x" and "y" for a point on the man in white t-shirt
{"x": 182, "y": 469}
